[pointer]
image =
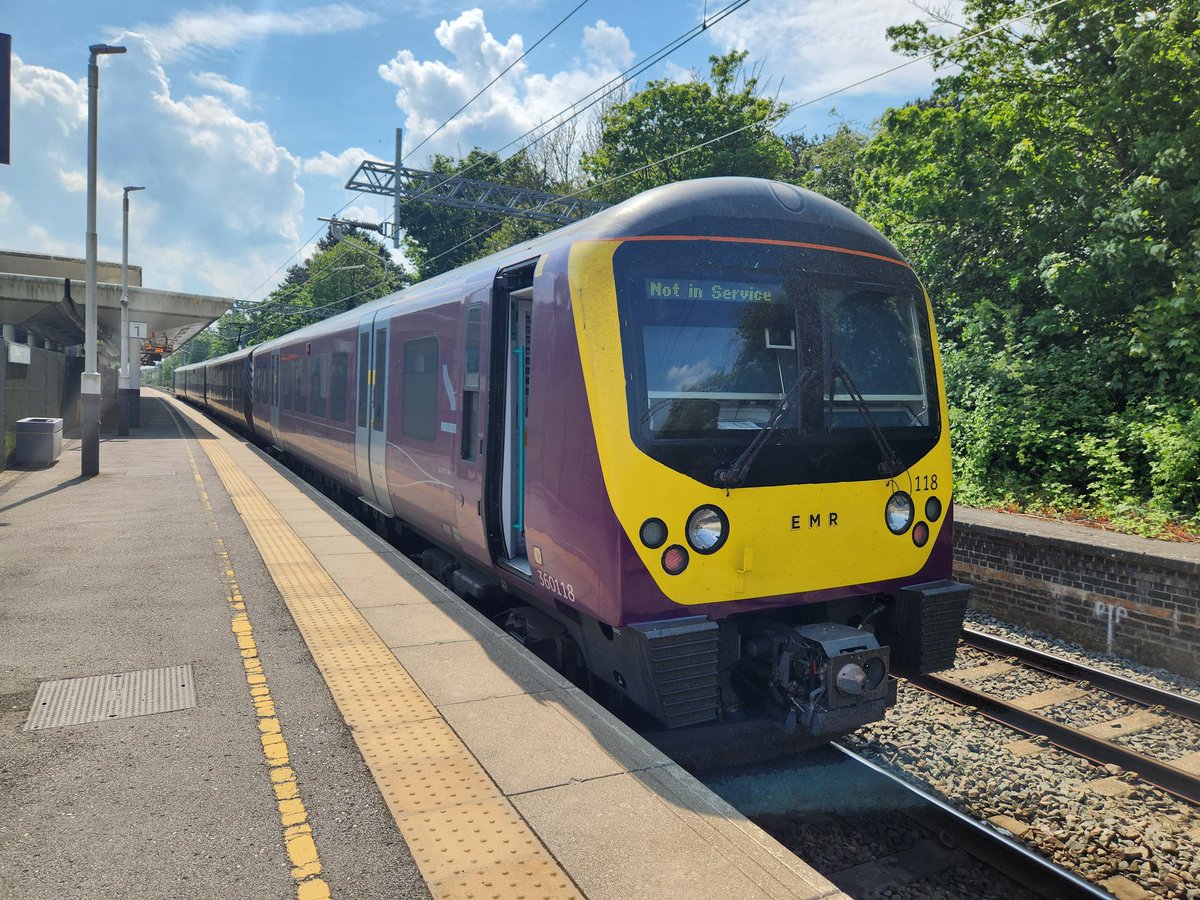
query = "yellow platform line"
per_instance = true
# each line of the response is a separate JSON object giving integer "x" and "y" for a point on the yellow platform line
{"x": 464, "y": 834}
{"x": 293, "y": 816}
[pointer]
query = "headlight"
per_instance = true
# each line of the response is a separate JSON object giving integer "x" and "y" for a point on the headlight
{"x": 653, "y": 533}
{"x": 707, "y": 529}
{"x": 933, "y": 509}
{"x": 899, "y": 512}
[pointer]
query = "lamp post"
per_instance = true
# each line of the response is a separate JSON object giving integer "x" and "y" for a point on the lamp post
{"x": 89, "y": 382}
{"x": 125, "y": 398}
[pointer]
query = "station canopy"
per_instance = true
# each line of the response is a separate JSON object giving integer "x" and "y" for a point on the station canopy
{"x": 46, "y": 295}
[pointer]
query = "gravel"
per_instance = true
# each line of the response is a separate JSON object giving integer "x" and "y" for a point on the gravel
{"x": 1160, "y": 678}
{"x": 833, "y": 844}
{"x": 1144, "y": 835}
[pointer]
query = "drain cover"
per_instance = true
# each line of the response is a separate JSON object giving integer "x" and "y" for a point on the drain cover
{"x": 75, "y": 701}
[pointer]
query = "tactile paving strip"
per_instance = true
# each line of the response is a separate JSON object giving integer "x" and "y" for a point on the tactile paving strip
{"x": 466, "y": 838}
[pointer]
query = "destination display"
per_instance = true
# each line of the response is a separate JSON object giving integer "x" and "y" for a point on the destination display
{"x": 725, "y": 291}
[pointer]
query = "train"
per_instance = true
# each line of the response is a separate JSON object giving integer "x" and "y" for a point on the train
{"x": 697, "y": 443}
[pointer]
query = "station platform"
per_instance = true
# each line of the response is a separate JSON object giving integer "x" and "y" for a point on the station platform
{"x": 215, "y": 682}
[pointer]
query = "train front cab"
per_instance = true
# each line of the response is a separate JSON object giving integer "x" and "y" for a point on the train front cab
{"x": 784, "y": 476}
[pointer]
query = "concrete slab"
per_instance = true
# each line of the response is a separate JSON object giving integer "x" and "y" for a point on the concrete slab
{"x": 344, "y": 543}
{"x": 975, "y": 673}
{"x": 1052, "y": 697}
{"x": 413, "y": 625}
{"x": 1015, "y": 827}
{"x": 370, "y": 580}
{"x": 1109, "y": 787}
{"x": 683, "y": 850}
{"x": 466, "y": 671}
{"x": 316, "y": 526}
{"x": 495, "y": 731}
{"x": 1189, "y": 763}
{"x": 1138, "y": 721}
{"x": 1024, "y": 748}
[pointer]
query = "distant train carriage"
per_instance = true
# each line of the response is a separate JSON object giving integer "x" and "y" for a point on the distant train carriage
{"x": 701, "y": 436}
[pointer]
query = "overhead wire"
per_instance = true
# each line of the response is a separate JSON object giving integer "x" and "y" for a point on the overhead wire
{"x": 484, "y": 89}
{"x": 654, "y": 58}
{"x": 603, "y": 91}
{"x": 426, "y": 138}
{"x": 793, "y": 108}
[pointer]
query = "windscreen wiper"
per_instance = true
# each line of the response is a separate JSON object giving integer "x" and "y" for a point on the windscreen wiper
{"x": 735, "y": 474}
{"x": 890, "y": 465}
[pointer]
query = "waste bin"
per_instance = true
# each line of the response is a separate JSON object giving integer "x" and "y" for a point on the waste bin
{"x": 39, "y": 441}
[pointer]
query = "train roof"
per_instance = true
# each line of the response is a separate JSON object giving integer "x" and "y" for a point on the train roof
{"x": 736, "y": 207}
{"x": 704, "y": 207}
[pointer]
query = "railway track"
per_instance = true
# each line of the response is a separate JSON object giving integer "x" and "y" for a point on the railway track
{"x": 875, "y": 834}
{"x": 1033, "y": 712}
{"x": 958, "y": 830}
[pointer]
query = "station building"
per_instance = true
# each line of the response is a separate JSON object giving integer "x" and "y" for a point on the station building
{"x": 41, "y": 344}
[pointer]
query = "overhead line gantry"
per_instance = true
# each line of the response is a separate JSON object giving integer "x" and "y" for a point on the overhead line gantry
{"x": 402, "y": 183}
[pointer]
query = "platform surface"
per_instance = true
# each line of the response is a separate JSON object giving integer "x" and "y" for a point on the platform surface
{"x": 354, "y": 728}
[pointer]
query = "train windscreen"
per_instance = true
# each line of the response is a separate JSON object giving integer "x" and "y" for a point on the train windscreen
{"x": 827, "y": 350}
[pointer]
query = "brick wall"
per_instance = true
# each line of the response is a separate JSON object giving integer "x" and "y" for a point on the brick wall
{"x": 1131, "y": 596}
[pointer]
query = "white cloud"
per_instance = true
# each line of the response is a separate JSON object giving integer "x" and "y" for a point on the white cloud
{"x": 339, "y": 167}
{"x": 219, "y": 85}
{"x": 429, "y": 90}
{"x": 222, "y": 206}
{"x": 608, "y": 45}
{"x": 223, "y": 27}
{"x": 815, "y": 52}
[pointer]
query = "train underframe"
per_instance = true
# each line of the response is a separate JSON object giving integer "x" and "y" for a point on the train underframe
{"x": 770, "y": 683}
{"x": 785, "y": 680}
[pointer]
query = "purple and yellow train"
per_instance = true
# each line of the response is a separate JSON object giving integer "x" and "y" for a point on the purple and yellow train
{"x": 699, "y": 438}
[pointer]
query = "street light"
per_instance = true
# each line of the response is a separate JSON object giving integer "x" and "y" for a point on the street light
{"x": 89, "y": 381}
{"x": 125, "y": 399}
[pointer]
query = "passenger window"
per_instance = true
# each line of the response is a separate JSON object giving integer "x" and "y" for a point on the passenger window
{"x": 379, "y": 393}
{"x": 338, "y": 368}
{"x": 418, "y": 403}
{"x": 286, "y": 378}
{"x": 317, "y": 393}
{"x": 300, "y": 400}
{"x": 364, "y": 358}
{"x": 470, "y": 406}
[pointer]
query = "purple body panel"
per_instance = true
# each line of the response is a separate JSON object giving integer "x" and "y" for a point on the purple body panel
{"x": 571, "y": 530}
{"x": 569, "y": 516}
{"x": 420, "y": 474}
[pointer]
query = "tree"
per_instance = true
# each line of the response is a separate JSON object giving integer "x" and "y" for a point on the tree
{"x": 1046, "y": 191}
{"x": 440, "y": 238}
{"x": 827, "y": 164}
{"x": 343, "y": 274}
{"x": 647, "y": 140}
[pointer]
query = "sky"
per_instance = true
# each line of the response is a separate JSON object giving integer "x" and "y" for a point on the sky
{"x": 244, "y": 120}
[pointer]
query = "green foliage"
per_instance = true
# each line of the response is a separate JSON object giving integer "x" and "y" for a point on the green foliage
{"x": 827, "y": 165}
{"x": 1046, "y": 191}
{"x": 646, "y": 135}
{"x": 340, "y": 276}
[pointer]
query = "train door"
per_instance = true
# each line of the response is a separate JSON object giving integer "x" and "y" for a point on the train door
{"x": 508, "y": 411}
{"x": 370, "y": 432}
{"x": 471, "y": 427}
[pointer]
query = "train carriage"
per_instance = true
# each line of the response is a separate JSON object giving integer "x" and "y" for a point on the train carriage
{"x": 701, "y": 436}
